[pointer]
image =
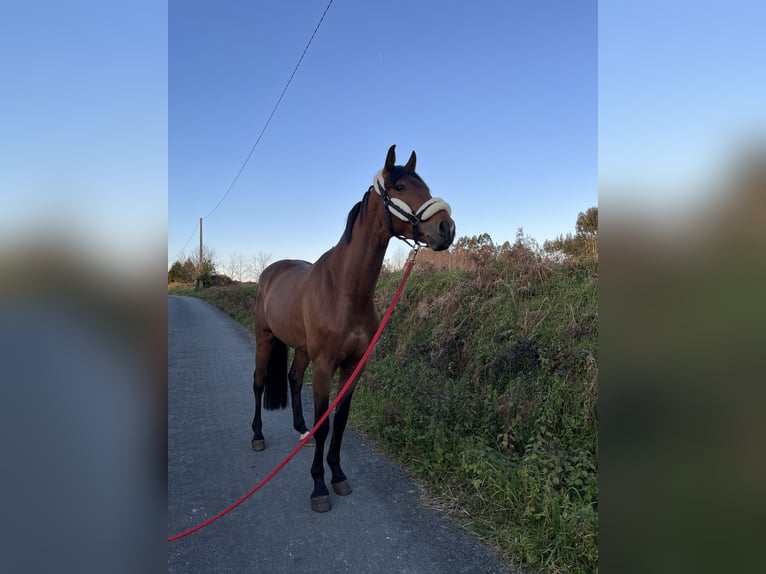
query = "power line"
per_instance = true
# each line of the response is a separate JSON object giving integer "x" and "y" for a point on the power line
{"x": 273, "y": 111}
{"x": 193, "y": 233}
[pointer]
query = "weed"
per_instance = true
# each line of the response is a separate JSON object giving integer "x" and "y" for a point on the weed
{"x": 484, "y": 385}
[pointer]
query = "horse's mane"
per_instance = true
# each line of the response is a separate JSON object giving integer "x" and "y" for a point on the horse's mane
{"x": 358, "y": 210}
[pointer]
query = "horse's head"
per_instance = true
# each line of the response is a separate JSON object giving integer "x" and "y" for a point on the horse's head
{"x": 411, "y": 212}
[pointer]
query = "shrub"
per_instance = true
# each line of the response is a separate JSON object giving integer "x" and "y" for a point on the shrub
{"x": 484, "y": 385}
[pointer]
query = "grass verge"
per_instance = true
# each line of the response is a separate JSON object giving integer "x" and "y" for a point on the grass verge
{"x": 484, "y": 385}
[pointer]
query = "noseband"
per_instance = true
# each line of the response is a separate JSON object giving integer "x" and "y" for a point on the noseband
{"x": 401, "y": 210}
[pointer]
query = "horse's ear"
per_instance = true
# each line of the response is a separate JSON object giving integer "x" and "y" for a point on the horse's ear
{"x": 390, "y": 158}
{"x": 411, "y": 162}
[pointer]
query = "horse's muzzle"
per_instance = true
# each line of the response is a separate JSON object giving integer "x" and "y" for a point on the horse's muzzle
{"x": 440, "y": 236}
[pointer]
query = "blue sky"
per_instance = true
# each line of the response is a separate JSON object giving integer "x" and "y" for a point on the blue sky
{"x": 498, "y": 99}
{"x": 126, "y": 122}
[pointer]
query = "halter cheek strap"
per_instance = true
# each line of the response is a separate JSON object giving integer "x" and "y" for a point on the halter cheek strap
{"x": 402, "y": 211}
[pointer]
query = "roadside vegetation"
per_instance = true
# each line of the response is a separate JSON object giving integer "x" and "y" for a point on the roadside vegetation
{"x": 484, "y": 386}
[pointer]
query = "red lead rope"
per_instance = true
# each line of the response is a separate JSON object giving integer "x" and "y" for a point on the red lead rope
{"x": 351, "y": 379}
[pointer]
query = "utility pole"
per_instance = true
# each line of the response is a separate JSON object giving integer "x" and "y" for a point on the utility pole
{"x": 199, "y": 265}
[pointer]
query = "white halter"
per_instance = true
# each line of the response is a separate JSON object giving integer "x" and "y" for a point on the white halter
{"x": 403, "y": 211}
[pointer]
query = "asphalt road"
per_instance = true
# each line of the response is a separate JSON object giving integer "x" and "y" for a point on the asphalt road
{"x": 379, "y": 528}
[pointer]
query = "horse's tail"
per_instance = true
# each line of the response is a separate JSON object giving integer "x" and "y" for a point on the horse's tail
{"x": 275, "y": 384}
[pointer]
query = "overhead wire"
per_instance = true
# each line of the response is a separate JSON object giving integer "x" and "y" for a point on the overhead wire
{"x": 193, "y": 233}
{"x": 271, "y": 115}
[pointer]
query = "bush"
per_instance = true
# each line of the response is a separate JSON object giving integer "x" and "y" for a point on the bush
{"x": 484, "y": 385}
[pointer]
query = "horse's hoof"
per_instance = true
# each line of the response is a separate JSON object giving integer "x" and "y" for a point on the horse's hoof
{"x": 258, "y": 445}
{"x": 310, "y": 442}
{"x": 342, "y": 488}
{"x": 320, "y": 503}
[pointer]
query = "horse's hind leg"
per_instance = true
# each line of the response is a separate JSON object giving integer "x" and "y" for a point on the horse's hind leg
{"x": 339, "y": 482}
{"x": 297, "y": 371}
{"x": 264, "y": 341}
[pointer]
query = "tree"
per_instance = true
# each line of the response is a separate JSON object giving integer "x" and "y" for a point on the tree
{"x": 190, "y": 271}
{"x": 587, "y": 228}
{"x": 174, "y": 273}
{"x": 206, "y": 271}
{"x": 584, "y": 242}
{"x": 237, "y": 266}
{"x": 182, "y": 272}
{"x": 587, "y": 223}
{"x": 258, "y": 263}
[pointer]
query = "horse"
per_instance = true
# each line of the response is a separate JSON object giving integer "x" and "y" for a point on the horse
{"x": 325, "y": 311}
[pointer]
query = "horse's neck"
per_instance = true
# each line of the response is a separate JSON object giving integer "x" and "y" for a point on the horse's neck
{"x": 361, "y": 260}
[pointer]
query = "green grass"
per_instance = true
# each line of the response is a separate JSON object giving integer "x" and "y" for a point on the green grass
{"x": 484, "y": 387}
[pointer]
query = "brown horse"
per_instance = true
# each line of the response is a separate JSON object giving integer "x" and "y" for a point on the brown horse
{"x": 325, "y": 311}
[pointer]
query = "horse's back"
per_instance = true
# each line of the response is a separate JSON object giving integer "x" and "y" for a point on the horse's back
{"x": 283, "y": 280}
{"x": 283, "y": 270}
{"x": 278, "y": 303}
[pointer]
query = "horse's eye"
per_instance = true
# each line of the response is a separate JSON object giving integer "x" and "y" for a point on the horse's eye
{"x": 399, "y": 188}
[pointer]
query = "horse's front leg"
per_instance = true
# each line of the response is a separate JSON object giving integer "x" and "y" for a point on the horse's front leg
{"x": 322, "y": 376}
{"x": 339, "y": 482}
